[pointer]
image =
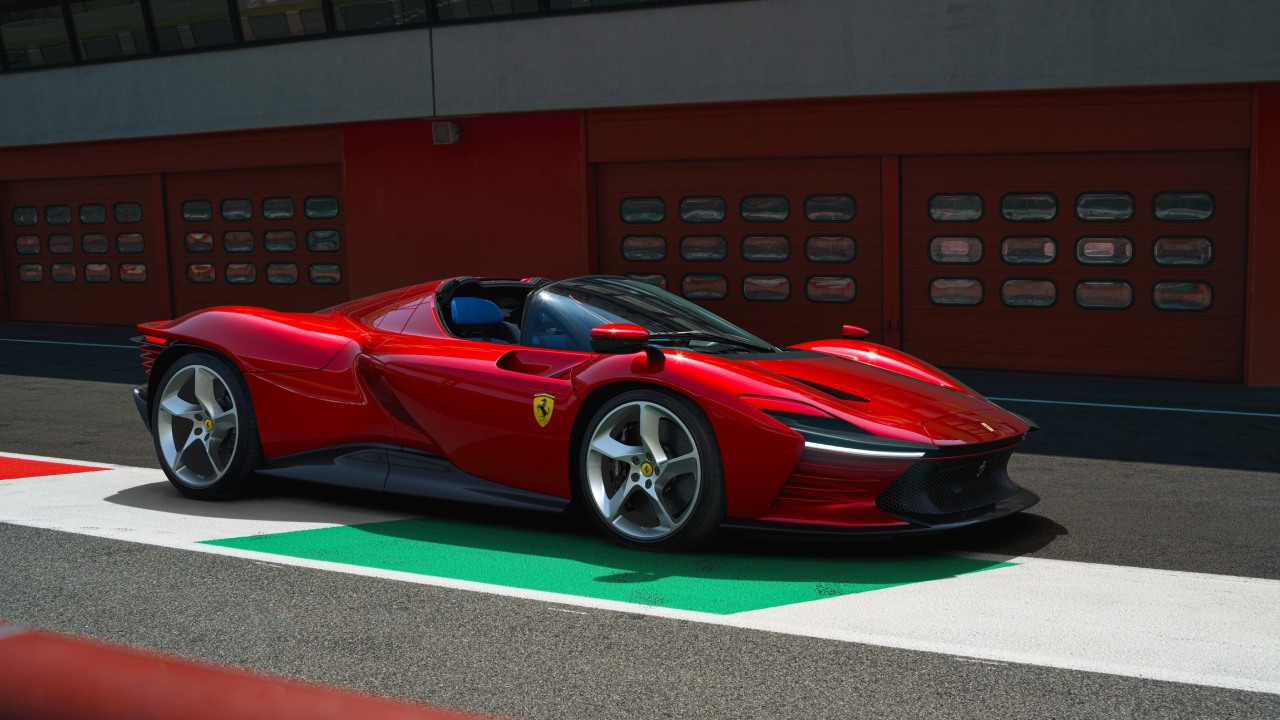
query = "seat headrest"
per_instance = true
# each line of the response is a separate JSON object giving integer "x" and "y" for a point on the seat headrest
{"x": 474, "y": 311}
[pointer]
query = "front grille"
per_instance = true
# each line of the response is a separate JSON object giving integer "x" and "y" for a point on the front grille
{"x": 947, "y": 487}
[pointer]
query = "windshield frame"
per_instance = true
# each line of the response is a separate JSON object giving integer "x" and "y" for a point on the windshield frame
{"x": 595, "y": 300}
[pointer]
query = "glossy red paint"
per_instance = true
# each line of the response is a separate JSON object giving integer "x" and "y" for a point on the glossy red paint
{"x": 619, "y": 338}
{"x": 889, "y": 359}
{"x": 853, "y": 332}
{"x": 830, "y": 489}
{"x": 301, "y": 411}
{"x": 382, "y": 370}
{"x": 259, "y": 340}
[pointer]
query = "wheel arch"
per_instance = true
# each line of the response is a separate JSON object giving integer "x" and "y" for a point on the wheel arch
{"x": 592, "y": 403}
{"x": 170, "y": 355}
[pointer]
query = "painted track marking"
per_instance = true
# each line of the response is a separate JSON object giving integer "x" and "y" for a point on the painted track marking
{"x": 1164, "y": 625}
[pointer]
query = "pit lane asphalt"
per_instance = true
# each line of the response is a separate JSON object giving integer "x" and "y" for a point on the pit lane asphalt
{"x": 1138, "y": 488}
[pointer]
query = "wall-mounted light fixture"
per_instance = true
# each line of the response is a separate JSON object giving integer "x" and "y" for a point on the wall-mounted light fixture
{"x": 445, "y": 133}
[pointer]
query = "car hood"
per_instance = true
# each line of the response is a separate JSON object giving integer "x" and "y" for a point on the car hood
{"x": 887, "y": 403}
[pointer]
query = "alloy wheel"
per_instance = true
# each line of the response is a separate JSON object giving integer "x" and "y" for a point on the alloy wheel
{"x": 197, "y": 425}
{"x": 643, "y": 471}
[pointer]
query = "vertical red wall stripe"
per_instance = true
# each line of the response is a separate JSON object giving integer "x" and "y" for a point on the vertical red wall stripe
{"x": 1262, "y": 306}
{"x": 891, "y": 235}
{"x": 162, "y": 273}
{"x": 505, "y": 201}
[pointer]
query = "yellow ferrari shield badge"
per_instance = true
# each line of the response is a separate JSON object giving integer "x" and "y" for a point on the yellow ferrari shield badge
{"x": 543, "y": 406}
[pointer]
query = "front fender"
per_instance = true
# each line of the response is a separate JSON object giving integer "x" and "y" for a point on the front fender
{"x": 758, "y": 456}
{"x": 887, "y": 358}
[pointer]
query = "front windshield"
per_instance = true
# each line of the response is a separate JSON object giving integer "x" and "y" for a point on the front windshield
{"x": 561, "y": 315}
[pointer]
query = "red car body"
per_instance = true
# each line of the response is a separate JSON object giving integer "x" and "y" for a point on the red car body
{"x": 334, "y": 390}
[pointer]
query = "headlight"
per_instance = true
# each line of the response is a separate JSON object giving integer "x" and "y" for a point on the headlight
{"x": 826, "y": 433}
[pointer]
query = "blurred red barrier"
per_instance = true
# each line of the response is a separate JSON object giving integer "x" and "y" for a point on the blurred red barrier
{"x": 44, "y": 676}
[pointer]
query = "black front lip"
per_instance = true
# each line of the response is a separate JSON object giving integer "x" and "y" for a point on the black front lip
{"x": 920, "y": 524}
{"x": 140, "y": 400}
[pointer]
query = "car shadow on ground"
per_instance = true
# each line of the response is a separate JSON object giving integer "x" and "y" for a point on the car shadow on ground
{"x": 812, "y": 567}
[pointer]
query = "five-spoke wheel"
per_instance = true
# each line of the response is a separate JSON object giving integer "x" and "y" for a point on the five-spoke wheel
{"x": 203, "y": 427}
{"x": 650, "y": 471}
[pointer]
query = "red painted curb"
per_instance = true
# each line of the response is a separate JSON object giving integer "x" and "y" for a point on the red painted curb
{"x": 56, "y": 677}
{"x": 12, "y": 468}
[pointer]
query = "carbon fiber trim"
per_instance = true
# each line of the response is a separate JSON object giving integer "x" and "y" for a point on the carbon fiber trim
{"x": 942, "y": 488}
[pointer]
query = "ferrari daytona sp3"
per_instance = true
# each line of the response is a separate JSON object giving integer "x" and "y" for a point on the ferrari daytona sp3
{"x": 663, "y": 421}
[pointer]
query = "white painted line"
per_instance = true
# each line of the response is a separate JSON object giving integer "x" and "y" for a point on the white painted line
{"x": 1135, "y": 407}
{"x": 1173, "y": 626}
{"x": 77, "y": 344}
{"x": 1181, "y": 627}
{"x": 141, "y": 505}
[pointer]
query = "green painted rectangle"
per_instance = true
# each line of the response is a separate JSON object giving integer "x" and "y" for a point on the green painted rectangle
{"x": 586, "y": 566}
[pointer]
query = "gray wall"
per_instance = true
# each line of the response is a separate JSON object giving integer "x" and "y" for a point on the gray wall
{"x": 369, "y": 77}
{"x": 761, "y": 49}
{"x": 821, "y": 48}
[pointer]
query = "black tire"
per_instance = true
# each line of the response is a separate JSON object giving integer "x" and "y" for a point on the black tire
{"x": 221, "y": 472}
{"x": 695, "y": 514}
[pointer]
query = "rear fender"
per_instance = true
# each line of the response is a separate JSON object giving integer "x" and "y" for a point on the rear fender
{"x": 258, "y": 340}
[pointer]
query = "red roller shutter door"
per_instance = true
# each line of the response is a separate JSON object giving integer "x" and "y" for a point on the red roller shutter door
{"x": 271, "y": 238}
{"x": 788, "y": 249}
{"x": 84, "y": 250}
{"x": 1149, "y": 282}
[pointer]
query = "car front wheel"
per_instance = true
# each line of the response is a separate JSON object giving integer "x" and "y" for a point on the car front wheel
{"x": 650, "y": 472}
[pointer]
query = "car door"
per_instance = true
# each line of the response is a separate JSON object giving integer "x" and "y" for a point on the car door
{"x": 496, "y": 411}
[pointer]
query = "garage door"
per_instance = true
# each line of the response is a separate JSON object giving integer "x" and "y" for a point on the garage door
{"x": 271, "y": 238}
{"x": 1118, "y": 264}
{"x": 84, "y": 250}
{"x": 788, "y": 249}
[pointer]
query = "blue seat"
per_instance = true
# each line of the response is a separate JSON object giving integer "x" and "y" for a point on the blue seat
{"x": 482, "y": 319}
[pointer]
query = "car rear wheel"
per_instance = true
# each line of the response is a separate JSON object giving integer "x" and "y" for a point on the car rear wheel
{"x": 650, "y": 472}
{"x": 203, "y": 426}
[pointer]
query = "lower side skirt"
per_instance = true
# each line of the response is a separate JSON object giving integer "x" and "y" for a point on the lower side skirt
{"x": 406, "y": 472}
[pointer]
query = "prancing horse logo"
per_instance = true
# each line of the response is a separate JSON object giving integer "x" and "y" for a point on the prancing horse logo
{"x": 543, "y": 406}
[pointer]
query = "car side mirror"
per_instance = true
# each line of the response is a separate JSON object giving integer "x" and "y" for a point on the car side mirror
{"x": 853, "y": 332}
{"x": 618, "y": 338}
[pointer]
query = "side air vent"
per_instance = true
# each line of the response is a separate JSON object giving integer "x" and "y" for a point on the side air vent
{"x": 838, "y": 394}
{"x": 149, "y": 348}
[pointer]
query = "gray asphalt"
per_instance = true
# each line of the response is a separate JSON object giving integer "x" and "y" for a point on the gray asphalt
{"x": 1141, "y": 488}
{"x": 529, "y": 659}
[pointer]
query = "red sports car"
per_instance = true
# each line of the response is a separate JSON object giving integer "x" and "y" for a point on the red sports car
{"x": 663, "y": 420}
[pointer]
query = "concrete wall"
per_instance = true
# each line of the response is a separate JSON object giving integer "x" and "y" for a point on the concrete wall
{"x": 368, "y": 77}
{"x": 816, "y": 48}
{"x": 749, "y": 50}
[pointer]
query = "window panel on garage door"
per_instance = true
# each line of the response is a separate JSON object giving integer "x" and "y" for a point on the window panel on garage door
{"x": 1127, "y": 264}
{"x": 84, "y": 250}
{"x": 272, "y": 238}
{"x": 788, "y": 249}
